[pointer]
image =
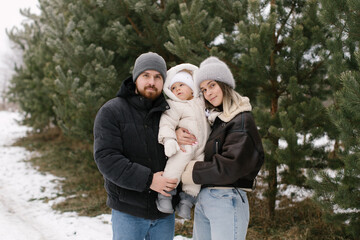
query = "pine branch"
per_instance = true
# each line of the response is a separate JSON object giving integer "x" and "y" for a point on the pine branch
{"x": 132, "y": 23}
{"x": 314, "y": 69}
{"x": 285, "y": 21}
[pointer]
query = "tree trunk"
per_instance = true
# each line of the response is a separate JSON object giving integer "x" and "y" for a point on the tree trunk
{"x": 272, "y": 180}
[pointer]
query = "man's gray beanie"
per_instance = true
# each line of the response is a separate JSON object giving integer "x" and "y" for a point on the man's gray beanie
{"x": 149, "y": 61}
{"x": 213, "y": 68}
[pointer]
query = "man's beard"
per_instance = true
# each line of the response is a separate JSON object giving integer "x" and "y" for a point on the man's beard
{"x": 152, "y": 95}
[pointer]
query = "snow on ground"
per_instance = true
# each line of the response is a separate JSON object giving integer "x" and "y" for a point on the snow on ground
{"x": 23, "y": 213}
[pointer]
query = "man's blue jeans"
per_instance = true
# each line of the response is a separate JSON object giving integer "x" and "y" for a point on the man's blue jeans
{"x": 221, "y": 214}
{"x": 128, "y": 227}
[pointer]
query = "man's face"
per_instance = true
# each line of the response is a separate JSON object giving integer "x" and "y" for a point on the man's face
{"x": 149, "y": 84}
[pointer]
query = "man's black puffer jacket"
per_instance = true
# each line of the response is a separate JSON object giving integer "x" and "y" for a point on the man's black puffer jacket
{"x": 127, "y": 152}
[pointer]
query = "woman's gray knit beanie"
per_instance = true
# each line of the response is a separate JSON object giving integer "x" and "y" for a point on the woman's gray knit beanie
{"x": 213, "y": 68}
{"x": 149, "y": 61}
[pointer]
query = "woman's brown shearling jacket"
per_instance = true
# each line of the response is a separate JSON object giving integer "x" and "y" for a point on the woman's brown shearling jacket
{"x": 233, "y": 154}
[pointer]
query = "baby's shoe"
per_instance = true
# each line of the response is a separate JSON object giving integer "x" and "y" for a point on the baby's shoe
{"x": 164, "y": 204}
{"x": 183, "y": 209}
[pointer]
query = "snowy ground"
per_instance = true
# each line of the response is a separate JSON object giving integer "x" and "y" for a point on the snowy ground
{"x": 23, "y": 214}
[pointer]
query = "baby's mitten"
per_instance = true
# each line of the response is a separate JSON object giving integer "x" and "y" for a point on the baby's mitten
{"x": 171, "y": 147}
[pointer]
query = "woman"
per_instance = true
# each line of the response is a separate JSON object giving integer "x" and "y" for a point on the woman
{"x": 233, "y": 157}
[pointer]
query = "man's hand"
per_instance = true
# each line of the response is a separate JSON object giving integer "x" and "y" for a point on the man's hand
{"x": 184, "y": 137}
{"x": 162, "y": 184}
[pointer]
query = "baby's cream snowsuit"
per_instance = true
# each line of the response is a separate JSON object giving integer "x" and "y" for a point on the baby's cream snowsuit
{"x": 189, "y": 114}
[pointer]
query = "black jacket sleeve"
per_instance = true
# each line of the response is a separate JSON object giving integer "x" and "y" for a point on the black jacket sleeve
{"x": 108, "y": 154}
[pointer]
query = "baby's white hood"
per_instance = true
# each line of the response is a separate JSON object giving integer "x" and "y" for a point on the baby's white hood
{"x": 171, "y": 73}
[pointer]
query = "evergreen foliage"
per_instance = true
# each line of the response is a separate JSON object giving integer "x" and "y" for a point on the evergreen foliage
{"x": 282, "y": 61}
{"x": 82, "y": 50}
{"x": 338, "y": 192}
{"x": 31, "y": 86}
{"x": 277, "y": 53}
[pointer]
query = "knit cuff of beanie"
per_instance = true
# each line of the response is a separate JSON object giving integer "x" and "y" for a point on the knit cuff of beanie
{"x": 213, "y": 68}
{"x": 149, "y": 61}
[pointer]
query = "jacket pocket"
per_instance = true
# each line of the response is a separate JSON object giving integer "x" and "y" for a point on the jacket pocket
{"x": 138, "y": 199}
{"x": 111, "y": 189}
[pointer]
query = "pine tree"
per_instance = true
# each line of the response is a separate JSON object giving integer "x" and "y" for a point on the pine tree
{"x": 338, "y": 191}
{"x": 96, "y": 44}
{"x": 85, "y": 74}
{"x": 282, "y": 61}
{"x": 30, "y": 86}
{"x": 89, "y": 47}
{"x": 277, "y": 53}
{"x": 193, "y": 34}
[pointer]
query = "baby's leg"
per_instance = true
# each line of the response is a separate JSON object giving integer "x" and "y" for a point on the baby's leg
{"x": 176, "y": 164}
{"x": 164, "y": 204}
{"x": 193, "y": 189}
{"x": 188, "y": 196}
{"x": 173, "y": 169}
{"x": 183, "y": 209}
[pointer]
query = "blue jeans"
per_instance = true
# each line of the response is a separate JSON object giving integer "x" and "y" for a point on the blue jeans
{"x": 221, "y": 214}
{"x": 128, "y": 227}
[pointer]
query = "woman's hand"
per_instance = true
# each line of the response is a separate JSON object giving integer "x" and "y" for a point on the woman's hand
{"x": 184, "y": 137}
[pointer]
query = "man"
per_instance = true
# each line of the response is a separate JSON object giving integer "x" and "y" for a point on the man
{"x": 128, "y": 155}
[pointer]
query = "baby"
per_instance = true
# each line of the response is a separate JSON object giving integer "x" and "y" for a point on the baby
{"x": 187, "y": 110}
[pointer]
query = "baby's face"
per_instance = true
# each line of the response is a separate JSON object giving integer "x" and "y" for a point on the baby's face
{"x": 182, "y": 91}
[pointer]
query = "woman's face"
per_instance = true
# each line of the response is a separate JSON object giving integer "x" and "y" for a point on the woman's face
{"x": 212, "y": 92}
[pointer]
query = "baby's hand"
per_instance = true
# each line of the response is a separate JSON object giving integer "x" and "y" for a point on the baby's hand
{"x": 171, "y": 147}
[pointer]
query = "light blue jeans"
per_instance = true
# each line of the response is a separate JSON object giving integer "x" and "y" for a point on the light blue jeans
{"x": 221, "y": 214}
{"x": 128, "y": 227}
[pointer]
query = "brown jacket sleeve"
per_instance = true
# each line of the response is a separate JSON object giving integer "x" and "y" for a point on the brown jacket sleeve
{"x": 233, "y": 153}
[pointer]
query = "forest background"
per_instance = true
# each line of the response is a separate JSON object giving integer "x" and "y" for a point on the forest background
{"x": 297, "y": 61}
